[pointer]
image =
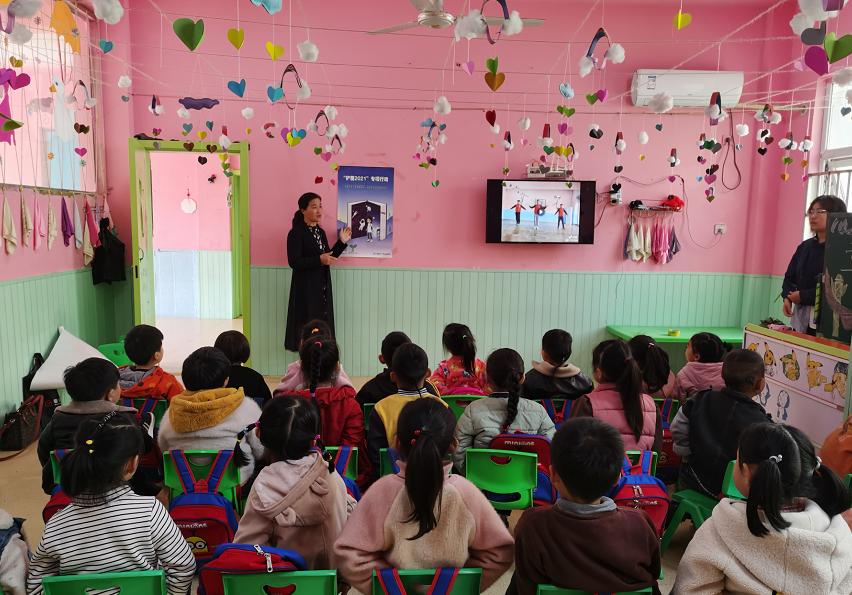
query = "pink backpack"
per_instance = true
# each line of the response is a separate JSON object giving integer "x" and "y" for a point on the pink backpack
{"x": 637, "y": 488}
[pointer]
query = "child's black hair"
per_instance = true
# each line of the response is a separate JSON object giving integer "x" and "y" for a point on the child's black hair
{"x": 774, "y": 452}
{"x": 587, "y": 455}
{"x": 288, "y": 428}
{"x": 425, "y": 430}
{"x": 234, "y": 345}
{"x": 557, "y": 344}
{"x": 410, "y": 364}
{"x": 505, "y": 369}
{"x": 708, "y": 347}
{"x": 91, "y": 379}
{"x": 142, "y": 342}
{"x": 742, "y": 370}
{"x": 319, "y": 359}
{"x": 817, "y": 482}
{"x": 459, "y": 341}
{"x": 616, "y": 363}
{"x": 102, "y": 448}
{"x": 653, "y": 362}
{"x": 205, "y": 368}
{"x": 390, "y": 343}
{"x": 315, "y": 328}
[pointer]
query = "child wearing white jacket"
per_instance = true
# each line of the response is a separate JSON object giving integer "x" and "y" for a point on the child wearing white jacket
{"x": 787, "y": 537}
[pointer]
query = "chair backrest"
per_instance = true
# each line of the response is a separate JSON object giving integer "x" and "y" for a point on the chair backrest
{"x": 368, "y": 410}
{"x": 458, "y": 403}
{"x": 142, "y": 582}
{"x": 115, "y": 353}
{"x": 388, "y": 458}
{"x": 668, "y": 408}
{"x": 201, "y": 461}
{"x": 507, "y": 478}
{"x": 316, "y": 582}
{"x": 56, "y": 457}
{"x": 634, "y": 456}
{"x": 416, "y": 581}
{"x": 148, "y": 404}
{"x": 729, "y": 490}
{"x": 351, "y": 470}
{"x": 551, "y": 590}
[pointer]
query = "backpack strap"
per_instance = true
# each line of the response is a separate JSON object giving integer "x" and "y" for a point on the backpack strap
{"x": 645, "y": 460}
{"x": 148, "y": 406}
{"x": 389, "y": 581}
{"x": 566, "y": 408}
{"x": 185, "y": 475}
{"x": 393, "y": 455}
{"x": 626, "y": 466}
{"x": 443, "y": 582}
{"x": 127, "y": 401}
{"x": 60, "y": 453}
{"x": 341, "y": 460}
{"x": 217, "y": 470}
{"x": 548, "y": 406}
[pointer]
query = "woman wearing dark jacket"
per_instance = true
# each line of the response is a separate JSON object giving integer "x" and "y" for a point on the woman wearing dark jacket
{"x": 309, "y": 255}
{"x": 806, "y": 266}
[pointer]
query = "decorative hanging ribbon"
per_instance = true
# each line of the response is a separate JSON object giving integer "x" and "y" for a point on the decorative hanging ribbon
{"x": 673, "y": 158}
{"x": 322, "y": 115}
{"x": 505, "y": 8}
{"x": 339, "y": 143}
{"x": 619, "y": 136}
{"x": 10, "y": 24}
{"x": 89, "y": 102}
{"x": 766, "y": 112}
{"x": 716, "y": 99}
{"x": 290, "y": 68}
{"x": 545, "y": 132}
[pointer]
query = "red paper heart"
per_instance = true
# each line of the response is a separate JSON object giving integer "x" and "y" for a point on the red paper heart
{"x": 318, "y": 180}
{"x": 710, "y": 178}
{"x": 81, "y": 151}
{"x": 672, "y": 178}
{"x": 491, "y": 117}
{"x": 333, "y": 182}
{"x": 602, "y": 94}
{"x": 20, "y": 81}
{"x": 327, "y": 156}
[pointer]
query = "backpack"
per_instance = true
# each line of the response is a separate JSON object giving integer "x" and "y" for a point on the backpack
{"x": 243, "y": 558}
{"x": 341, "y": 462}
{"x": 58, "y": 500}
{"x": 557, "y": 416}
{"x": 205, "y": 518}
{"x": 637, "y": 488}
{"x": 668, "y": 464}
{"x": 391, "y": 584}
{"x": 545, "y": 493}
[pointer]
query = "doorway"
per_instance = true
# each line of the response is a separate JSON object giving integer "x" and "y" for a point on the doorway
{"x": 190, "y": 243}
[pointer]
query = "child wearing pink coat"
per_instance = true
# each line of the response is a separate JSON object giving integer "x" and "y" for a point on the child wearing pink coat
{"x": 294, "y": 378}
{"x": 703, "y": 369}
{"x": 396, "y": 523}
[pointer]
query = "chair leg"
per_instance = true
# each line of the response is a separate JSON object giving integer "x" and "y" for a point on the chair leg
{"x": 674, "y": 523}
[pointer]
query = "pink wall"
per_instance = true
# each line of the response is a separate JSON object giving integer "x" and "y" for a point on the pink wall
{"x": 208, "y": 228}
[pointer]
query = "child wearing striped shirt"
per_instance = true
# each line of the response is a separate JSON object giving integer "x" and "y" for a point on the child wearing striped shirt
{"x": 108, "y": 528}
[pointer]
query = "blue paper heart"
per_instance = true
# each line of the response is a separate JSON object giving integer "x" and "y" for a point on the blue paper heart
{"x": 566, "y": 90}
{"x": 274, "y": 93}
{"x": 426, "y": 123}
{"x": 237, "y": 88}
{"x": 209, "y": 124}
{"x": 301, "y": 133}
{"x": 106, "y": 46}
{"x": 270, "y": 6}
{"x": 442, "y": 126}
{"x": 187, "y": 127}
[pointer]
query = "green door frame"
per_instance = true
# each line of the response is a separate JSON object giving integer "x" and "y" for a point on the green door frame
{"x": 240, "y": 246}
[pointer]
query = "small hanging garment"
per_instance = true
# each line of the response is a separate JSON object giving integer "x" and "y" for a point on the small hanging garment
{"x": 108, "y": 264}
{"x": 105, "y": 213}
{"x": 26, "y": 223}
{"x": 78, "y": 225}
{"x": 40, "y": 232}
{"x": 634, "y": 248}
{"x": 90, "y": 223}
{"x": 625, "y": 251}
{"x": 52, "y": 228}
{"x": 67, "y": 224}
{"x": 87, "y": 248}
{"x": 10, "y": 234}
{"x": 664, "y": 242}
{"x": 660, "y": 249}
{"x": 646, "y": 246}
{"x": 674, "y": 244}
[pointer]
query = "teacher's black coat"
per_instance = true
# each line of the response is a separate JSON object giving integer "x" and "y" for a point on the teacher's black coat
{"x": 310, "y": 285}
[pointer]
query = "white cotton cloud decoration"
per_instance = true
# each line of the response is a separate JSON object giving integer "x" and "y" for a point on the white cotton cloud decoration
{"x": 799, "y": 23}
{"x": 643, "y": 138}
{"x": 248, "y": 113}
{"x": 470, "y": 26}
{"x": 124, "y": 82}
{"x": 814, "y": 10}
{"x": 661, "y": 103}
{"x": 775, "y": 118}
{"x": 330, "y": 112}
{"x": 109, "y": 11}
{"x": 183, "y": 113}
{"x": 849, "y": 96}
{"x": 615, "y": 53}
{"x": 843, "y": 77}
{"x": 621, "y": 145}
{"x": 24, "y": 9}
{"x": 442, "y": 106}
{"x": 524, "y": 123}
{"x": 513, "y": 25}
{"x": 308, "y": 51}
{"x": 20, "y": 34}
{"x": 585, "y": 66}
{"x": 304, "y": 91}
{"x": 742, "y": 129}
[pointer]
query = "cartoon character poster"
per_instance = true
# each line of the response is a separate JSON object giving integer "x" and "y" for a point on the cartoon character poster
{"x": 365, "y": 204}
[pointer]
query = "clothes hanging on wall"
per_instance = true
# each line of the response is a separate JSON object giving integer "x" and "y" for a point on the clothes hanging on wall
{"x": 10, "y": 233}
{"x": 67, "y": 224}
{"x": 647, "y": 249}
{"x": 674, "y": 244}
{"x": 108, "y": 264}
{"x": 52, "y": 229}
{"x": 39, "y": 230}
{"x": 26, "y": 222}
{"x": 87, "y": 248}
{"x": 78, "y": 225}
{"x": 90, "y": 223}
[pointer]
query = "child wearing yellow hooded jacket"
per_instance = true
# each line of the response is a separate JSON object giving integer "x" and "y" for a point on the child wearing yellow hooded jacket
{"x": 208, "y": 416}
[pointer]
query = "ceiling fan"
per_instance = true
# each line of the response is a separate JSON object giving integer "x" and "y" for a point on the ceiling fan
{"x": 432, "y": 14}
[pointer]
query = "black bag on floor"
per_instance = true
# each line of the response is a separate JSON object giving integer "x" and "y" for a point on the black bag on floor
{"x": 22, "y": 427}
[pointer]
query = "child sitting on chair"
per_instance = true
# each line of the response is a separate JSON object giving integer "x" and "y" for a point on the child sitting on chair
{"x": 584, "y": 541}
{"x": 462, "y": 372}
{"x": 381, "y": 385}
{"x": 703, "y": 369}
{"x": 554, "y": 377}
{"x": 236, "y": 347}
{"x": 145, "y": 378}
{"x": 295, "y": 379}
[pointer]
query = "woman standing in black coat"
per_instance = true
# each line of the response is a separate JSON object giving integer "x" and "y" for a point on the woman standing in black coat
{"x": 310, "y": 257}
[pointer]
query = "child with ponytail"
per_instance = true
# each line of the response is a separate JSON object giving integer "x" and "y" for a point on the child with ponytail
{"x": 619, "y": 400}
{"x": 658, "y": 380}
{"x": 423, "y": 517}
{"x": 787, "y": 537}
{"x": 294, "y": 378}
{"x": 703, "y": 369}
{"x": 108, "y": 528}
{"x": 298, "y": 501}
{"x": 462, "y": 372}
{"x": 555, "y": 377}
{"x": 504, "y": 411}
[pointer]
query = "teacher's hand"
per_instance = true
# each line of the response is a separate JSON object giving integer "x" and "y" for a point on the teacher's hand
{"x": 346, "y": 235}
{"x": 793, "y": 296}
{"x": 788, "y": 308}
{"x": 327, "y": 259}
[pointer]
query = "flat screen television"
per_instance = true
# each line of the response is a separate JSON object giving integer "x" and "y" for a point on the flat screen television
{"x": 540, "y": 212}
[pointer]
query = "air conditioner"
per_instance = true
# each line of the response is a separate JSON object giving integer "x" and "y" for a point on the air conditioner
{"x": 688, "y": 88}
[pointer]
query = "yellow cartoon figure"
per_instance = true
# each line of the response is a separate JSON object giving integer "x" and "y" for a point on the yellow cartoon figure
{"x": 198, "y": 545}
{"x": 837, "y": 386}
{"x": 752, "y": 346}
{"x": 815, "y": 377}
{"x": 790, "y": 365}
{"x": 769, "y": 360}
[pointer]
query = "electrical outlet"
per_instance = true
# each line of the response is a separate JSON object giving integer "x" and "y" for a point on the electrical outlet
{"x": 720, "y": 229}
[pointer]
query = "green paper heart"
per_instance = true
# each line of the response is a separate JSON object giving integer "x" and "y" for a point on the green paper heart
{"x": 189, "y": 32}
{"x": 592, "y": 98}
{"x": 787, "y": 160}
{"x": 317, "y": 150}
{"x": 548, "y": 150}
{"x": 491, "y": 64}
{"x": 708, "y": 144}
{"x": 424, "y": 165}
{"x": 837, "y": 49}
{"x": 236, "y": 37}
{"x": 566, "y": 111}
{"x": 436, "y": 183}
{"x": 10, "y": 125}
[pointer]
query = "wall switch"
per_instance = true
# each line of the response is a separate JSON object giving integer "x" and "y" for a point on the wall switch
{"x": 720, "y": 229}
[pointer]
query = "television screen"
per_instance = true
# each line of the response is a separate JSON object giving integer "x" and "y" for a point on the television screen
{"x": 540, "y": 212}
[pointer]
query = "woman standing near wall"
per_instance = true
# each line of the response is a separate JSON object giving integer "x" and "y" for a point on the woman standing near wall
{"x": 310, "y": 257}
{"x": 806, "y": 266}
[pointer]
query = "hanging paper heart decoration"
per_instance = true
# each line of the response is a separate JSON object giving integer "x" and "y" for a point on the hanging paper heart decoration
{"x": 83, "y": 129}
{"x": 602, "y": 95}
{"x": 189, "y": 32}
{"x": 491, "y": 117}
{"x": 274, "y": 93}
{"x": 202, "y": 134}
{"x": 710, "y": 178}
{"x": 566, "y": 111}
{"x": 274, "y": 50}
{"x": 845, "y": 111}
{"x": 837, "y": 49}
{"x": 293, "y": 139}
{"x": 236, "y": 37}
{"x": 491, "y": 64}
{"x": 659, "y": 127}
{"x": 209, "y": 124}
{"x": 816, "y": 59}
{"x": 81, "y": 151}
{"x": 20, "y": 81}
{"x": 785, "y": 176}
{"x": 468, "y": 66}
{"x": 202, "y": 160}
{"x": 187, "y": 128}
{"x": 548, "y": 150}
{"x": 494, "y": 80}
{"x": 237, "y": 88}
{"x": 562, "y": 127}
{"x": 270, "y": 6}
{"x": 566, "y": 90}
{"x": 189, "y": 146}
{"x": 592, "y": 98}
{"x": 157, "y": 131}
{"x": 682, "y": 20}
{"x": 787, "y": 160}
{"x": 761, "y": 150}
{"x": 106, "y": 46}
{"x": 811, "y": 36}
{"x": 325, "y": 156}
{"x": 436, "y": 183}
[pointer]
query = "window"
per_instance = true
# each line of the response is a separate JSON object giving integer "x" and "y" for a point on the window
{"x": 838, "y": 128}
{"x": 55, "y": 146}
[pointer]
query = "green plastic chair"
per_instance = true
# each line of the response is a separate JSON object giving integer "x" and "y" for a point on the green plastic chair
{"x": 467, "y": 581}
{"x": 458, "y": 403}
{"x": 55, "y": 461}
{"x": 352, "y": 468}
{"x": 551, "y": 590}
{"x": 385, "y": 463}
{"x": 114, "y": 352}
{"x": 368, "y": 410}
{"x": 316, "y": 582}
{"x": 728, "y": 488}
{"x": 691, "y": 503}
{"x": 200, "y": 461}
{"x": 502, "y": 474}
{"x": 675, "y": 406}
{"x": 141, "y": 582}
{"x": 634, "y": 455}
{"x": 138, "y": 402}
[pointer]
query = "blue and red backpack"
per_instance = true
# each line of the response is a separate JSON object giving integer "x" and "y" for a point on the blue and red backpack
{"x": 558, "y": 416}
{"x": 668, "y": 464}
{"x": 205, "y": 517}
{"x": 243, "y": 558}
{"x": 637, "y": 488}
{"x": 341, "y": 462}
{"x": 391, "y": 584}
{"x": 545, "y": 493}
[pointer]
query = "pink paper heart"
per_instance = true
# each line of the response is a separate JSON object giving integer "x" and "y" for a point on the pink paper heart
{"x": 524, "y": 142}
{"x": 333, "y": 182}
{"x": 81, "y": 151}
{"x": 708, "y": 192}
{"x": 6, "y": 74}
{"x": 672, "y": 178}
{"x": 563, "y": 128}
{"x": 20, "y": 81}
{"x": 710, "y": 178}
{"x": 602, "y": 94}
{"x": 468, "y": 66}
{"x": 543, "y": 159}
{"x": 416, "y": 156}
{"x": 284, "y": 132}
{"x": 326, "y": 156}
{"x": 816, "y": 59}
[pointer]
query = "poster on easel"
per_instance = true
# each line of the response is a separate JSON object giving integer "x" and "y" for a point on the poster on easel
{"x": 365, "y": 204}
{"x": 835, "y": 305}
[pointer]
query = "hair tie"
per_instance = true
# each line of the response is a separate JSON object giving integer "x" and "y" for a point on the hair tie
{"x": 652, "y": 344}
{"x": 818, "y": 465}
{"x": 89, "y": 442}
{"x": 314, "y": 331}
{"x": 464, "y": 336}
{"x": 317, "y": 438}
{"x": 776, "y": 458}
{"x": 318, "y": 344}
